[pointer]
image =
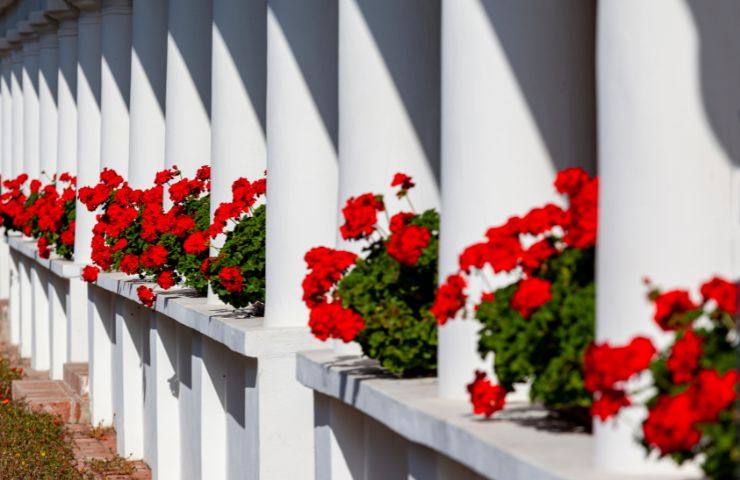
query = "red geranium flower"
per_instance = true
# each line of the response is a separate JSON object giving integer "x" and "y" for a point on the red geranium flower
{"x": 486, "y": 397}
{"x": 450, "y": 298}
{"x": 670, "y": 424}
{"x": 129, "y": 264}
{"x": 197, "y": 242}
{"x": 608, "y": 403}
{"x": 332, "y": 320}
{"x": 90, "y": 273}
{"x": 166, "y": 280}
{"x": 361, "y": 215}
{"x": 146, "y": 295}
{"x": 530, "y": 295}
{"x": 684, "y": 358}
{"x": 724, "y": 293}
{"x": 670, "y": 308}
{"x": 154, "y": 256}
{"x": 231, "y": 278}
{"x": 407, "y": 244}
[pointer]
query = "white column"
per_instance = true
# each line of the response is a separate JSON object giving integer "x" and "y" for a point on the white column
{"x": 162, "y": 405}
{"x": 48, "y": 76}
{"x": 6, "y": 168}
{"x": 131, "y": 320}
{"x": 668, "y": 108}
{"x": 238, "y": 76}
{"x": 76, "y": 312}
{"x": 88, "y": 123}
{"x": 58, "y": 326}
{"x": 188, "y": 103}
{"x": 16, "y": 86}
{"x": 115, "y": 81}
{"x": 26, "y": 306}
{"x": 517, "y": 106}
{"x": 148, "y": 73}
{"x": 31, "y": 105}
{"x": 101, "y": 342}
{"x": 389, "y": 99}
{"x": 213, "y": 436}
{"x": 302, "y": 151}
{"x": 67, "y": 93}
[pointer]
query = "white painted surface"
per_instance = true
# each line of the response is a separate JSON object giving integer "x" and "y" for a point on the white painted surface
{"x": 16, "y": 85}
{"x": 7, "y": 117}
{"x": 131, "y": 320}
{"x": 115, "y": 76}
{"x": 517, "y": 105}
{"x": 101, "y": 338}
{"x": 67, "y": 97}
{"x": 47, "y": 80}
{"x": 14, "y": 309}
{"x": 58, "y": 325}
{"x": 668, "y": 108}
{"x": 213, "y": 436}
{"x": 188, "y": 103}
{"x": 189, "y": 376}
{"x": 41, "y": 349}
{"x": 26, "y": 307}
{"x": 88, "y": 124}
{"x": 31, "y": 108}
{"x": 76, "y": 314}
{"x": 148, "y": 69}
{"x": 165, "y": 462}
{"x": 302, "y": 158}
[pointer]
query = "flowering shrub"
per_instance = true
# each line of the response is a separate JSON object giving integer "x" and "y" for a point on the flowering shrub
{"x": 382, "y": 298}
{"x": 540, "y": 325}
{"x": 53, "y": 217}
{"x": 12, "y": 201}
{"x": 134, "y": 234}
{"x": 691, "y": 411}
{"x": 237, "y": 272}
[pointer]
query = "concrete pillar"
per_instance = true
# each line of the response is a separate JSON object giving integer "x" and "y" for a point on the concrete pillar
{"x": 102, "y": 341}
{"x": 6, "y": 170}
{"x": 389, "y": 99}
{"x": 31, "y": 104}
{"x": 58, "y": 326}
{"x": 88, "y": 120}
{"x": 238, "y": 80}
{"x": 67, "y": 92}
{"x": 190, "y": 367}
{"x": 26, "y": 306}
{"x": 668, "y": 108}
{"x": 16, "y": 86}
{"x": 162, "y": 405}
{"x": 213, "y": 435}
{"x": 115, "y": 81}
{"x": 48, "y": 76}
{"x": 302, "y": 150}
{"x": 131, "y": 320}
{"x": 148, "y": 79}
{"x": 188, "y": 103}
{"x": 75, "y": 306}
{"x": 517, "y": 106}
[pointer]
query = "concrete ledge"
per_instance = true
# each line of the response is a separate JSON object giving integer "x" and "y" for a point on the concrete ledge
{"x": 520, "y": 443}
{"x": 236, "y": 329}
{"x": 59, "y": 266}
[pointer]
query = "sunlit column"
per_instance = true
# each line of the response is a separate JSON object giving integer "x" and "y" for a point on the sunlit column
{"x": 188, "y": 96}
{"x": 670, "y": 179}
{"x": 517, "y": 106}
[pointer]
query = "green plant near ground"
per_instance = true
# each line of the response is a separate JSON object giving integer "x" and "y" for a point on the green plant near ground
{"x": 394, "y": 301}
{"x": 32, "y": 445}
{"x": 546, "y": 348}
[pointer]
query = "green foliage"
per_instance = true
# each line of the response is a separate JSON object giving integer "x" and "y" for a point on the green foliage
{"x": 244, "y": 248}
{"x": 32, "y": 445}
{"x": 394, "y": 301}
{"x": 546, "y": 348}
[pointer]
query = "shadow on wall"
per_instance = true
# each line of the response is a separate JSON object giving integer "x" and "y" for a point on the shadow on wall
{"x": 543, "y": 41}
{"x": 388, "y": 21}
{"x": 309, "y": 43}
{"x": 719, "y": 69}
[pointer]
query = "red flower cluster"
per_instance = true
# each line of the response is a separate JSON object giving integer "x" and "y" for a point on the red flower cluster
{"x": 486, "y": 397}
{"x": 683, "y": 360}
{"x": 552, "y": 228}
{"x": 244, "y": 195}
{"x": 146, "y": 295}
{"x": 606, "y": 367}
{"x": 332, "y": 320}
{"x": 407, "y": 241}
{"x": 672, "y": 424}
{"x": 326, "y": 267}
{"x": 404, "y": 181}
{"x": 360, "y": 216}
{"x": 450, "y": 298}
{"x": 90, "y": 273}
{"x": 671, "y": 307}
{"x": 231, "y": 278}
{"x": 724, "y": 293}
{"x": 530, "y": 295}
